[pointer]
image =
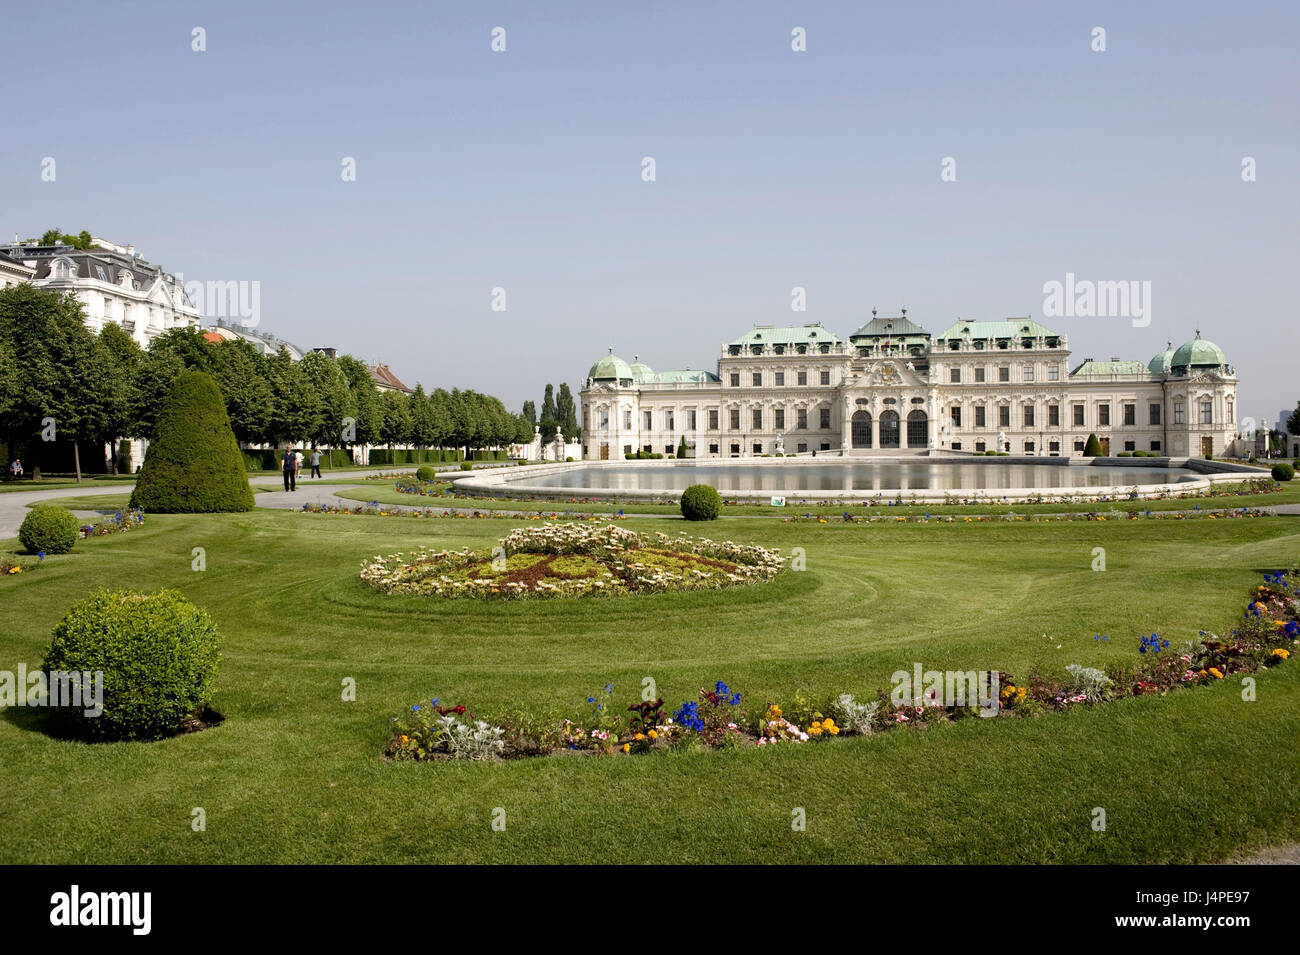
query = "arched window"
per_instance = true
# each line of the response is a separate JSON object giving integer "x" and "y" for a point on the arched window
{"x": 918, "y": 429}
{"x": 861, "y": 429}
{"x": 889, "y": 429}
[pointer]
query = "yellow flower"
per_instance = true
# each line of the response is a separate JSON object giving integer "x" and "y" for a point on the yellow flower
{"x": 15, "y": 569}
{"x": 653, "y": 735}
{"x": 834, "y": 730}
{"x": 627, "y": 747}
{"x": 1281, "y": 654}
{"x": 640, "y": 736}
{"x": 1217, "y": 674}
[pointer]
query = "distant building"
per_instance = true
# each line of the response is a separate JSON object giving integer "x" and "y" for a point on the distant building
{"x": 13, "y": 272}
{"x": 264, "y": 342}
{"x": 893, "y": 388}
{"x": 385, "y": 380}
{"x": 113, "y": 283}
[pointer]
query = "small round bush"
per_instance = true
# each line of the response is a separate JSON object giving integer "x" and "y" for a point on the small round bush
{"x": 50, "y": 529}
{"x": 466, "y": 466}
{"x": 158, "y": 654}
{"x": 1283, "y": 472}
{"x": 425, "y": 473}
{"x": 701, "y": 503}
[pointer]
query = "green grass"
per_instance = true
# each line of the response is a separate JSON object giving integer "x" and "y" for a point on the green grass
{"x": 294, "y": 774}
{"x": 53, "y": 482}
{"x": 387, "y": 493}
{"x": 104, "y": 502}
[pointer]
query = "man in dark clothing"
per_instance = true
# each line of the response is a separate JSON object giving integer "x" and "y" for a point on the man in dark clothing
{"x": 315, "y": 462}
{"x": 290, "y": 467}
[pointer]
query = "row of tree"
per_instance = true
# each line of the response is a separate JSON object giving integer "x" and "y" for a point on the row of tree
{"x": 559, "y": 413}
{"x": 61, "y": 381}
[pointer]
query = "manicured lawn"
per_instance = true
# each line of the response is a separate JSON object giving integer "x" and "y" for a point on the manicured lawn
{"x": 294, "y": 774}
{"x": 50, "y": 483}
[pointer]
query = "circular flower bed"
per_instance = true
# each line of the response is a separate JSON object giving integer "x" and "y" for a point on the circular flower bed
{"x": 574, "y": 560}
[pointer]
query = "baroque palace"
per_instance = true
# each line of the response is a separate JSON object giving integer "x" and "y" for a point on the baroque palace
{"x": 893, "y": 388}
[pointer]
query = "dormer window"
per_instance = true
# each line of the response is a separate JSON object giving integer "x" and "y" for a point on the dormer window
{"x": 103, "y": 276}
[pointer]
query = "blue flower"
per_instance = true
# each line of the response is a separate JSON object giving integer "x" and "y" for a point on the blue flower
{"x": 688, "y": 715}
{"x": 609, "y": 687}
{"x": 591, "y": 699}
{"x": 415, "y": 708}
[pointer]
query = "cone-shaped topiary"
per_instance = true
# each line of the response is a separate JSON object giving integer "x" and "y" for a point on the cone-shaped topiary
{"x": 193, "y": 465}
{"x": 1093, "y": 448}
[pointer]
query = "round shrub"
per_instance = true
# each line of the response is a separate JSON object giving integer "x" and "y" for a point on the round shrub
{"x": 158, "y": 654}
{"x": 1283, "y": 472}
{"x": 700, "y": 502}
{"x": 193, "y": 465}
{"x": 425, "y": 473}
{"x": 466, "y": 466}
{"x": 50, "y": 529}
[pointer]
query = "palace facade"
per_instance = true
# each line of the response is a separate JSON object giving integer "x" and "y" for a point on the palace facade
{"x": 893, "y": 388}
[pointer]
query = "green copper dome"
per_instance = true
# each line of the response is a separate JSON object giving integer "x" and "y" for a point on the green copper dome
{"x": 611, "y": 368}
{"x": 1161, "y": 364}
{"x": 1198, "y": 353}
{"x": 641, "y": 373}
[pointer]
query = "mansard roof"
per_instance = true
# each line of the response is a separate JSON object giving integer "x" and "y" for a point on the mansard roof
{"x": 814, "y": 333}
{"x": 1007, "y": 328}
{"x": 887, "y": 327}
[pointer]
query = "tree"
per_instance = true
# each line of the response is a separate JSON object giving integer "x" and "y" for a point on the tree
{"x": 1092, "y": 449}
{"x": 424, "y": 430}
{"x": 566, "y": 413}
{"x": 294, "y": 410}
{"x": 240, "y": 371}
{"x": 549, "y": 412}
{"x": 682, "y": 449}
{"x": 530, "y": 413}
{"x": 1293, "y": 422}
{"x": 60, "y": 387}
{"x": 329, "y": 396}
{"x": 395, "y": 425}
{"x": 124, "y": 360}
{"x": 193, "y": 465}
{"x": 368, "y": 411}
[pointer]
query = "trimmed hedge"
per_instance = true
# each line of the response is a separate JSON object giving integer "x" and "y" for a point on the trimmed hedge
{"x": 700, "y": 502}
{"x": 426, "y": 473}
{"x": 1283, "y": 472}
{"x": 193, "y": 465}
{"x": 1093, "y": 448}
{"x": 158, "y": 653}
{"x": 383, "y": 457}
{"x": 49, "y": 529}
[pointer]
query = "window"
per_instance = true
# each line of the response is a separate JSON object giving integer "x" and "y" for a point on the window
{"x": 668, "y": 450}
{"x": 735, "y": 419}
{"x": 99, "y": 270}
{"x": 825, "y": 446}
{"x": 780, "y": 378}
{"x": 780, "y": 419}
{"x": 1207, "y": 412}
{"x": 824, "y": 416}
{"x": 1155, "y": 445}
{"x": 1004, "y": 373}
{"x": 1053, "y": 372}
{"x": 979, "y": 417}
{"x": 979, "y": 373}
{"x": 668, "y": 421}
{"x": 956, "y": 445}
{"x": 1004, "y": 416}
{"x": 713, "y": 419}
{"x": 825, "y": 377}
{"x": 1179, "y": 412}
{"x": 1103, "y": 415}
{"x": 758, "y": 448}
{"x": 735, "y": 379}
{"x": 981, "y": 446}
{"x": 803, "y": 378}
{"x": 604, "y": 421}
{"x": 1078, "y": 445}
{"x": 1029, "y": 447}
{"x": 645, "y": 421}
{"x": 758, "y": 419}
{"x": 954, "y": 375}
{"x": 713, "y": 448}
{"x": 803, "y": 447}
{"x": 1054, "y": 447}
{"x": 735, "y": 450}
{"x": 758, "y": 379}
{"x": 1053, "y": 416}
{"x": 1130, "y": 417}
{"x": 1130, "y": 445}
{"x": 955, "y": 415}
{"x": 801, "y": 419}
{"x": 1029, "y": 373}
{"x": 627, "y": 421}
{"x": 1078, "y": 416}
{"x": 1029, "y": 416}
{"x": 1230, "y": 417}
{"x": 690, "y": 421}
{"x": 1153, "y": 414}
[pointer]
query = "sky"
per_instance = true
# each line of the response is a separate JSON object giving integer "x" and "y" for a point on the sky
{"x": 822, "y": 169}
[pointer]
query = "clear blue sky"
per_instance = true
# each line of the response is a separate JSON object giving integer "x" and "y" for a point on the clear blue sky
{"x": 775, "y": 169}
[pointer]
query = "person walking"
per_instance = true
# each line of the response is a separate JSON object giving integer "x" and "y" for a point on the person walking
{"x": 315, "y": 462}
{"x": 297, "y": 464}
{"x": 290, "y": 468}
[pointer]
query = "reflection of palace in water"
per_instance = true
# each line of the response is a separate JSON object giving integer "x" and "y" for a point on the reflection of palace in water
{"x": 893, "y": 388}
